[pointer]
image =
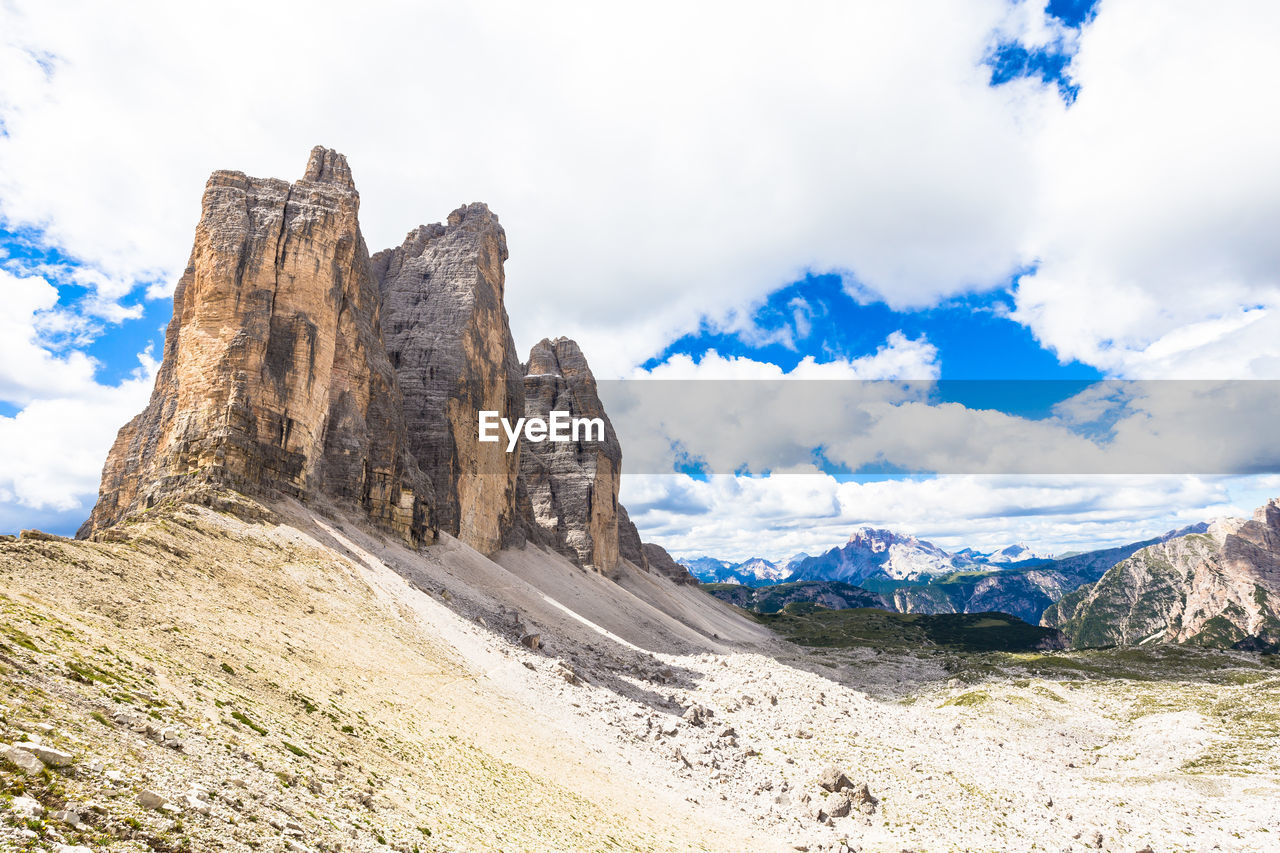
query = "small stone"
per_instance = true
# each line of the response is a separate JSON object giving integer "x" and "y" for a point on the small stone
{"x": 696, "y": 715}
{"x": 863, "y": 799}
{"x": 50, "y": 756}
{"x": 150, "y": 799}
{"x": 26, "y": 807}
{"x": 66, "y": 816}
{"x": 532, "y": 641}
{"x": 194, "y": 801}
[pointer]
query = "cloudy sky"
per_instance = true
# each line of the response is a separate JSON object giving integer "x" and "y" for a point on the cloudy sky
{"x": 959, "y": 189}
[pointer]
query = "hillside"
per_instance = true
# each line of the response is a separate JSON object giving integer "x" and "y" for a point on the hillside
{"x": 287, "y": 682}
{"x": 1220, "y": 587}
{"x": 770, "y": 599}
{"x": 310, "y": 684}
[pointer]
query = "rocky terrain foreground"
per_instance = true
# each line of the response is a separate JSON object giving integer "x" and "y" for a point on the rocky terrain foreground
{"x": 230, "y": 674}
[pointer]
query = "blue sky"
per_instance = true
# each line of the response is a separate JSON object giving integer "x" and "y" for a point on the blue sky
{"x": 963, "y": 189}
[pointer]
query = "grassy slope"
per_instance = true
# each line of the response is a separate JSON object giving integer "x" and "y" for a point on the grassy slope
{"x": 302, "y": 697}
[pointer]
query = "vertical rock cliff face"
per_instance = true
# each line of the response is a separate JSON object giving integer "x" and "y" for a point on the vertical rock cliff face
{"x": 274, "y": 376}
{"x": 297, "y": 364}
{"x": 572, "y": 486}
{"x": 447, "y": 334}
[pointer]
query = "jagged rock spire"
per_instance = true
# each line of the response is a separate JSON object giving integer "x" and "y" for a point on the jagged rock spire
{"x": 274, "y": 378}
{"x": 447, "y": 334}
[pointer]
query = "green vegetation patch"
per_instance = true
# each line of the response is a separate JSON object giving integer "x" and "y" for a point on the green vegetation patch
{"x": 241, "y": 718}
{"x": 810, "y": 625}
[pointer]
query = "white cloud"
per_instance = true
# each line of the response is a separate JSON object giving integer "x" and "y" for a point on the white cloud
{"x": 28, "y": 367}
{"x": 52, "y": 450}
{"x": 650, "y": 167}
{"x": 1159, "y": 196}
{"x": 899, "y": 357}
{"x": 775, "y": 517}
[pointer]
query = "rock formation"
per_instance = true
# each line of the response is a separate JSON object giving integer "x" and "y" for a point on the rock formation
{"x": 1219, "y": 587}
{"x": 447, "y": 334}
{"x": 661, "y": 563}
{"x": 629, "y": 545}
{"x": 572, "y": 486}
{"x": 274, "y": 378}
{"x": 296, "y": 364}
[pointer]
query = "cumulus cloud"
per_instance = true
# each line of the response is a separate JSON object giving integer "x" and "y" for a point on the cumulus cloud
{"x": 51, "y": 450}
{"x": 739, "y": 416}
{"x": 775, "y": 517}
{"x": 899, "y": 357}
{"x": 1158, "y": 197}
{"x": 650, "y": 167}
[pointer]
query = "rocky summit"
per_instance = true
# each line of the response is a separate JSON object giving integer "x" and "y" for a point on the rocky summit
{"x": 572, "y": 486}
{"x": 297, "y": 365}
{"x": 447, "y": 336}
{"x": 275, "y": 378}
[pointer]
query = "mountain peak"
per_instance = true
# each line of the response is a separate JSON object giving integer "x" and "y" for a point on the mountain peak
{"x": 326, "y": 166}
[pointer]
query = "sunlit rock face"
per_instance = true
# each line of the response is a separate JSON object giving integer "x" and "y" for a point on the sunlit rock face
{"x": 274, "y": 377}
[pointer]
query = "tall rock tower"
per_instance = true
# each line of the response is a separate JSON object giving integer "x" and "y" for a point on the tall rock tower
{"x": 447, "y": 334}
{"x": 572, "y": 486}
{"x": 274, "y": 378}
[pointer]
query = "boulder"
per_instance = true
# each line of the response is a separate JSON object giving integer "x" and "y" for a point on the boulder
{"x": 149, "y": 799}
{"x": 50, "y": 756}
{"x": 23, "y": 759}
{"x": 26, "y": 807}
{"x": 833, "y": 779}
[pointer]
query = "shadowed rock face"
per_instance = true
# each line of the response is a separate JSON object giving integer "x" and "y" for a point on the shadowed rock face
{"x": 1216, "y": 588}
{"x": 661, "y": 563}
{"x": 274, "y": 378}
{"x": 447, "y": 334}
{"x": 572, "y": 486}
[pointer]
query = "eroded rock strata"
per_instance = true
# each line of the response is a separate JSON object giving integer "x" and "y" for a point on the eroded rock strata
{"x": 274, "y": 378}
{"x": 446, "y": 332}
{"x": 297, "y": 364}
{"x": 572, "y": 486}
{"x": 1219, "y": 587}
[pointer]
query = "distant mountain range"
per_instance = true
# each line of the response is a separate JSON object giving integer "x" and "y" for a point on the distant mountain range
{"x": 913, "y": 575}
{"x": 870, "y": 553}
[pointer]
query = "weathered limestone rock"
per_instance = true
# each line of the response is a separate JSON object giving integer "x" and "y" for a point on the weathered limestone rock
{"x": 661, "y": 563}
{"x": 22, "y": 758}
{"x": 572, "y": 486}
{"x": 447, "y": 335}
{"x": 1217, "y": 588}
{"x": 629, "y": 545}
{"x": 274, "y": 378}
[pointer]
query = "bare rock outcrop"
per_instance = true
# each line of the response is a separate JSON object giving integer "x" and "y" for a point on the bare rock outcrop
{"x": 660, "y": 562}
{"x": 572, "y": 486}
{"x": 629, "y": 545}
{"x": 274, "y": 378}
{"x": 447, "y": 334}
{"x": 1219, "y": 587}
